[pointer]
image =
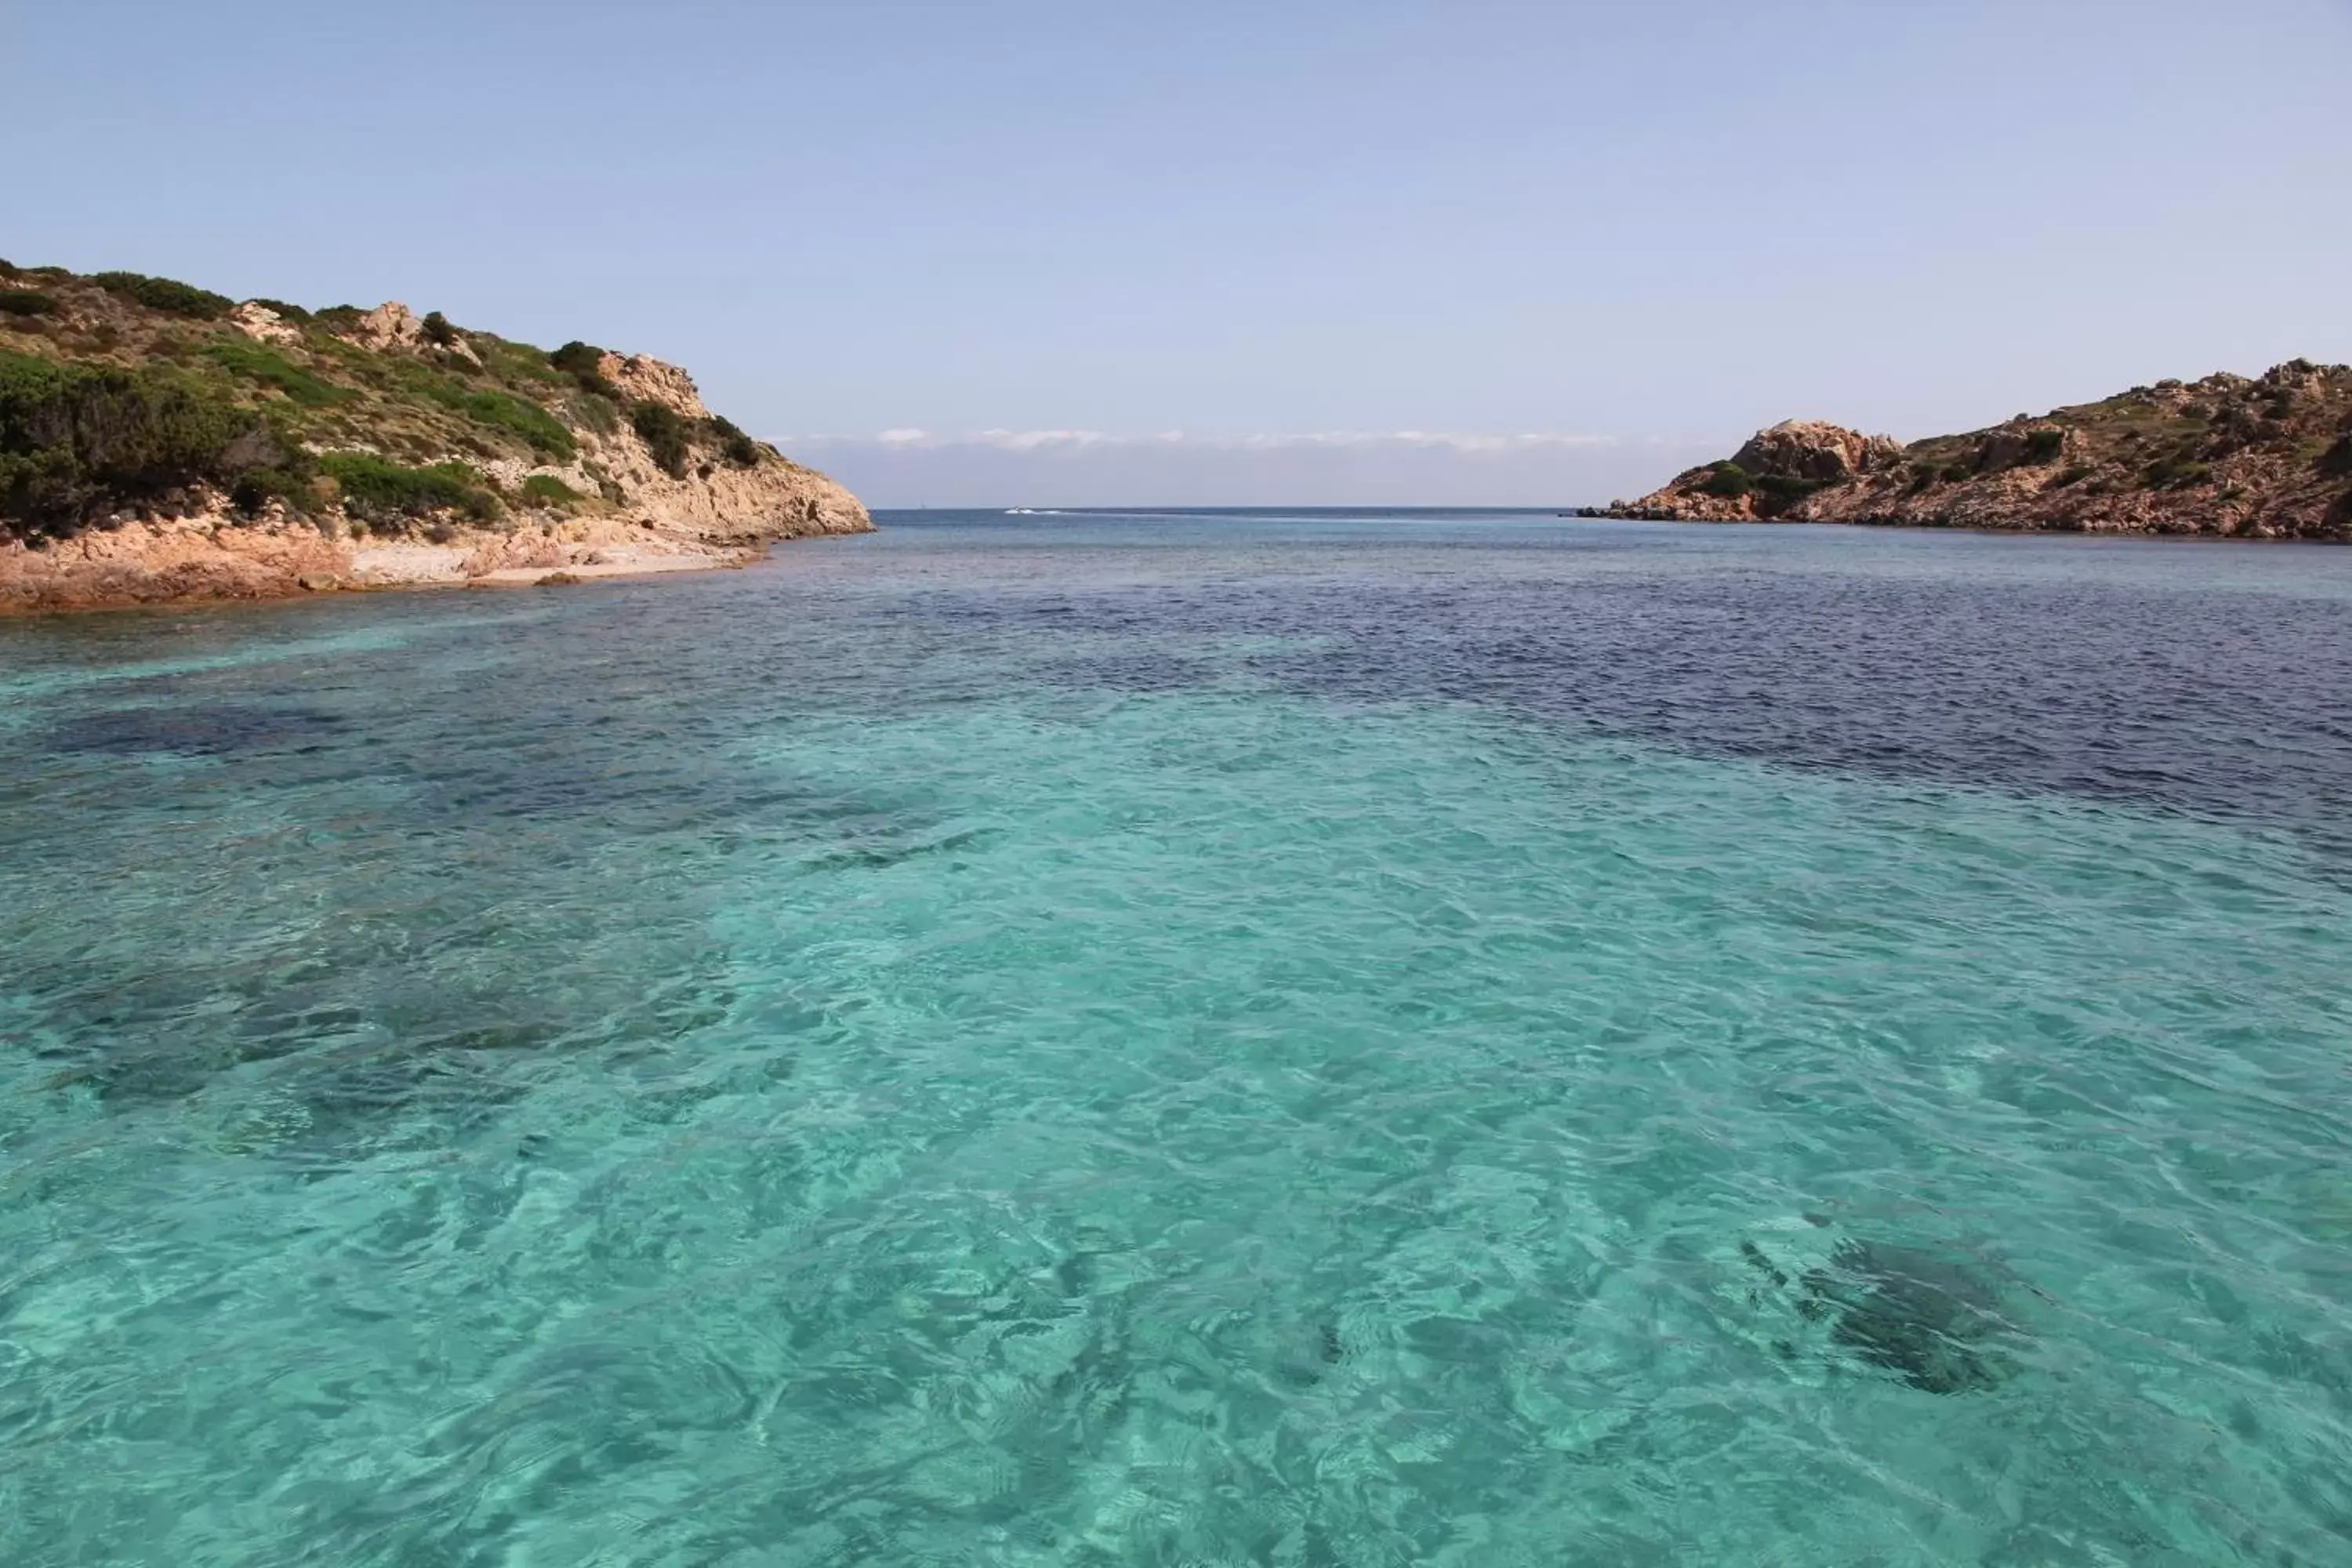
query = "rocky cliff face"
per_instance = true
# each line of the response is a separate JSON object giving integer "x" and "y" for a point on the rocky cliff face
{"x": 711, "y": 499}
{"x": 2262, "y": 458}
{"x": 304, "y": 452}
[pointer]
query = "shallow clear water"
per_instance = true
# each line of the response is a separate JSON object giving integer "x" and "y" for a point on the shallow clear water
{"x": 1211, "y": 1040}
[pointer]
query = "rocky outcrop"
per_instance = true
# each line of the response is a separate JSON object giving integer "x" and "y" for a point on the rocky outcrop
{"x": 262, "y": 324}
{"x": 1777, "y": 467}
{"x": 650, "y": 381}
{"x": 1813, "y": 449}
{"x": 390, "y": 326}
{"x": 206, "y": 556}
{"x": 216, "y": 556}
{"x": 2267, "y": 458}
{"x": 720, "y": 502}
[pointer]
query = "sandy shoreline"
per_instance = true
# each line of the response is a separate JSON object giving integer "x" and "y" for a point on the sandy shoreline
{"x": 408, "y": 565}
{"x": 523, "y": 576}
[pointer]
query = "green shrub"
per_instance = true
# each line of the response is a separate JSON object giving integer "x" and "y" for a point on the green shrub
{"x": 9, "y": 268}
{"x": 583, "y": 362}
{"x": 739, "y": 448}
{"x": 666, "y": 433}
{"x": 1727, "y": 479}
{"x": 437, "y": 329}
{"x": 512, "y": 362}
{"x": 79, "y": 441}
{"x": 546, "y": 490}
{"x": 576, "y": 358}
{"x": 2336, "y": 461}
{"x": 505, "y": 411}
{"x": 377, "y": 490}
{"x": 1953, "y": 473}
{"x": 256, "y": 488}
{"x": 2176, "y": 473}
{"x": 250, "y": 361}
{"x": 166, "y": 294}
{"x": 598, "y": 413}
{"x": 294, "y": 313}
{"x": 25, "y": 302}
{"x": 2043, "y": 446}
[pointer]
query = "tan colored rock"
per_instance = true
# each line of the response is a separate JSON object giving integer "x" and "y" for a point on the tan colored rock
{"x": 391, "y": 325}
{"x": 651, "y": 381}
{"x": 208, "y": 556}
{"x": 718, "y": 502}
{"x": 262, "y": 325}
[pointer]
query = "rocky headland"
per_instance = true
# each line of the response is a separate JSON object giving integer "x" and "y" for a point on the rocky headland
{"x": 2268, "y": 457}
{"x": 160, "y": 442}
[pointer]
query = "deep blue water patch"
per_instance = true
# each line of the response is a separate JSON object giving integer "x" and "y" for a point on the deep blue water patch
{"x": 204, "y": 731}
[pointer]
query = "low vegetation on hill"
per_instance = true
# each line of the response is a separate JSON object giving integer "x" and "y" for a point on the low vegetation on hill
{"x": 125, "y": 397}
{"x": 2264, "y": 457}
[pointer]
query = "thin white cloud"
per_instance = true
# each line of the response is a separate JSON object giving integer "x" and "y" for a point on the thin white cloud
{"x": 1033, "y": 440}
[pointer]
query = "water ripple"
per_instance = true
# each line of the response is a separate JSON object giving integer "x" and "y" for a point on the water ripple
{"x": 1330, "y": 1046}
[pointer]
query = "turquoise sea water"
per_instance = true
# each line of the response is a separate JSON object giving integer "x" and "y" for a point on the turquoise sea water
{"x": 1194, "y": 1041}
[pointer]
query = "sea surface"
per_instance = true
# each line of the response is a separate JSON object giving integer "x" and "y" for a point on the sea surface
{"x": 1302, "y": 1038}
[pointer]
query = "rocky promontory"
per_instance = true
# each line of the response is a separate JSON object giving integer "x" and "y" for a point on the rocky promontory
{"x": 2261, "y": 458}
{"x": 160, "y": 442}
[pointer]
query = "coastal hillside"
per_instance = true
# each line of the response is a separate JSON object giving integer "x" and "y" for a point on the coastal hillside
{"x": 2266, "y": 458}
{"x": 159, "y": 441}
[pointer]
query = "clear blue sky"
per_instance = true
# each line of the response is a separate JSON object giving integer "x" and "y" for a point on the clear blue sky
{"x": 1287, "y": 231}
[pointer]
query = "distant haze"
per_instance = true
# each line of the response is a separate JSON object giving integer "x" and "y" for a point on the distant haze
{"x": 1354, "y": 252}
{"x": 1085, "y": 469}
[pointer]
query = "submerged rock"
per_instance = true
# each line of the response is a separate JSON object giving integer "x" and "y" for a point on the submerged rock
{"x": 1940, "y": 1322}
{"x": 1932, "y": 1323}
